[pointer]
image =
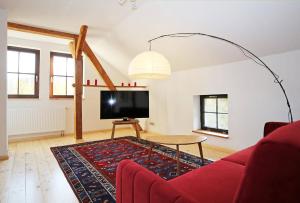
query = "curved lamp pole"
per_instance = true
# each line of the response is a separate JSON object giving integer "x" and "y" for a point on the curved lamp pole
{"x": 246, "y": 52}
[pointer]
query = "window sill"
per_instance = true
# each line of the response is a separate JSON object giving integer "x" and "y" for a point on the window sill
{"x": 60, "y": 97}
{"x": 206, "y": 132}
{"x": 10, "y": 97}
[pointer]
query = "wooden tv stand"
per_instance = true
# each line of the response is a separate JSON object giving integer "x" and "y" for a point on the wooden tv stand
{"x": 133, "y": 122}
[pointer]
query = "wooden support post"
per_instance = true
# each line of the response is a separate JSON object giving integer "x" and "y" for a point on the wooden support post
{"x": 90, "y": 54}
{"x": 78, "y": 97}
{"x": 76, "y": 49}
{"x": 81, "y": 40}
{"x": 77, "y": 52}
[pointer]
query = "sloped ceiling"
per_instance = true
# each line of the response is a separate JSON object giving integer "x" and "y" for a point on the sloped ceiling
{"x": 117, "y": 33}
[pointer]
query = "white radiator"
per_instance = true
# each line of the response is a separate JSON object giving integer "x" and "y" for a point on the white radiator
{"x": 35, "y": 120}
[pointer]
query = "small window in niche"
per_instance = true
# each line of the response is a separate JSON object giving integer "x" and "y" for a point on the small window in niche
{"x": 214, "y": 113}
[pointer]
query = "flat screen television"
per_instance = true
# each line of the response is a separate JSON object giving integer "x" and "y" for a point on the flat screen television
{"x": 124, "y": 104}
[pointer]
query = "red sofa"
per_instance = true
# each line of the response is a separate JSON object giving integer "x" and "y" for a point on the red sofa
{"x": 268, "y": 172}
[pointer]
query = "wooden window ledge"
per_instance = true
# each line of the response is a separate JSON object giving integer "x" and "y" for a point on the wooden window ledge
{"x": 206, "y": 132}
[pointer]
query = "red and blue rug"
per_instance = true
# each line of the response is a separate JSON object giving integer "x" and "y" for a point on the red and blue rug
{"x": 90, "y": 168}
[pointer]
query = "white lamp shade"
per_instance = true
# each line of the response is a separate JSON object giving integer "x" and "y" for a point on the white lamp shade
{"x": 149, "y": 65}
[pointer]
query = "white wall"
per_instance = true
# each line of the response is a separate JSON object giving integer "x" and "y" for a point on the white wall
{"x": 253, "y": 97}
{"x": 91, "y": 102}
{"x": 3, "y": 96}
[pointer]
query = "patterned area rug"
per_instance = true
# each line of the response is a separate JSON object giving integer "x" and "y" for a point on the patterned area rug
{"x": 90, "y": 168}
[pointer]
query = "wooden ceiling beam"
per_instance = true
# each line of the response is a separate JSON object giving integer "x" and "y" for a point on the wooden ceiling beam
{"x": 90, "y": 54}
{"x": 77, "y": 45}
{"x": 81, "y": 40}
{"x": 41, "y": 31}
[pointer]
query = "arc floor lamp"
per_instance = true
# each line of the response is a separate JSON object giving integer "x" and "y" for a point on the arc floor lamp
{"x": 153, "y": 65}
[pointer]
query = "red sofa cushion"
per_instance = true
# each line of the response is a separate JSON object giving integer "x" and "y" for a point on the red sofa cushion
{"x": 214, "y": 183}
{"x": 272, "y": 173}
{"x": 240, "y": 157}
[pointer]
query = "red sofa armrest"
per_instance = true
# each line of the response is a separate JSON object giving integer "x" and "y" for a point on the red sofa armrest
{"x": 272, "y": 172}
{"x": 271, "y": 126}
{"x": 136, "y": 184}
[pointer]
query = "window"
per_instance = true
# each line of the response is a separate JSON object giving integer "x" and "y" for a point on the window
{"x": 62, "y": 72}
{"x": 22, "y": 72}
{"x": 214, "y": 113}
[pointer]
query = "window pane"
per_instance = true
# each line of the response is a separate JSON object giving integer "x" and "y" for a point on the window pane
{"x": 70, "y": 67}
{"x": 12, "y": 61}
{"x": 26, "y": 84}
{"x": 223, "y": 105}
{"x": 210, "y": 120}
{"x": 223, "y": 121}
{"x": 12, "y": 83}
{"x": 59, "y": 65}
{"x": 27, "y": 62}
{"x": 210, "y": 104}
{"x": 59, "y": 85}
{"x": 70, "y": 88}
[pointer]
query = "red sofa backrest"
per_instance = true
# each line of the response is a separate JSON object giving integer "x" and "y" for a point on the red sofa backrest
{"x": 272, "y": 174}
{"x": 271, "y": 126}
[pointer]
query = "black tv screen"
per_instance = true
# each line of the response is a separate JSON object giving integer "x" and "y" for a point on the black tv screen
{"x": 121, "y": 104}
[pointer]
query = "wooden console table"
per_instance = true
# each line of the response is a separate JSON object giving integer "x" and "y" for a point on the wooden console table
{"x": 133, "y": 122}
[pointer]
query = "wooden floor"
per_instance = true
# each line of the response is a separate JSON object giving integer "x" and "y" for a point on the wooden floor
{"x": 32, "y": 173}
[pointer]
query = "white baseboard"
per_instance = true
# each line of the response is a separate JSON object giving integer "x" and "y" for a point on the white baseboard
{"x": 31, "y": 137}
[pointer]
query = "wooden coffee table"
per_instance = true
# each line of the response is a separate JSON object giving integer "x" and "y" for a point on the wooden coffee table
{"x": 177, "y": 140}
